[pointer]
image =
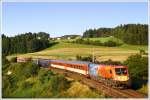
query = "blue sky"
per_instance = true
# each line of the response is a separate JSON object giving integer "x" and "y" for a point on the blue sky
{"x": 69, "y": 18}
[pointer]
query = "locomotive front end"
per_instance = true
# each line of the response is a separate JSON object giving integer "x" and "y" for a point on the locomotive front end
{"x": 121, "y": 76}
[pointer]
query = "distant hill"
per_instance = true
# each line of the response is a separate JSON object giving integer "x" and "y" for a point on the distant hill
{"x": 128, "y": 33}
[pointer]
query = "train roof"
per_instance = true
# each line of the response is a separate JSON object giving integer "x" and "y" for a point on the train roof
{"x": 73, "y": 62}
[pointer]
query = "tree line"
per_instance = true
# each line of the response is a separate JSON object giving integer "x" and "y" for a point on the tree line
{"x": 128, "y": 33}
{"x": 109, "y": 43}
{"x": 28, "y": 42}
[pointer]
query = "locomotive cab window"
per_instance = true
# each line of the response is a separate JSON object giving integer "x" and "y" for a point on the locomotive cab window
{"x": 120, "y": 71}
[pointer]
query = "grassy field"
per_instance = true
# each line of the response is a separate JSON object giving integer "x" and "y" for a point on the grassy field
{"x": 105, "y": 39}
{"x": 70, "y": 50}
{"x": 101, "y": 39}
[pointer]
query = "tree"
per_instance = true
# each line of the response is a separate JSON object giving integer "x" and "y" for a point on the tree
{"x": 5, "y": 45}
{"x": 138, "y": 66}
{"x": 28, "y": 42}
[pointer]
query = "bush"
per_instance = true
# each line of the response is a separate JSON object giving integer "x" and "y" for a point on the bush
{"x": 59, "y": 84}
{"x": 45, "y": 75}
{"x": 142, "y": 52}
{"x": 86, "y": 58}
{"x": 138, "y": 69}
{"x": 6, "y": 87}
{"x": 4, "y": 60}
{"x": 111, "y": 43}
{"x": 138, "y": 66}
{"x": 25, "y": 85}
{"x": 110, "y": 62}
{"x": 29, "y": 69}
{"x": 23, "y": 70}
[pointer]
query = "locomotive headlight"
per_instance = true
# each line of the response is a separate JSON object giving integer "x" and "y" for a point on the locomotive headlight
{"x": 115, "y": 78}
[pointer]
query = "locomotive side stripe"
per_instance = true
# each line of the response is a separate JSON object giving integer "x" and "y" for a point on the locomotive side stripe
{"x": 70, "y": 69}
{"x": 57, "y": 66}
{"x": 77, "y": 70}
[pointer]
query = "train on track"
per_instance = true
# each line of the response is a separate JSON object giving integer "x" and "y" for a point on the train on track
{"x": 112, "y": 75}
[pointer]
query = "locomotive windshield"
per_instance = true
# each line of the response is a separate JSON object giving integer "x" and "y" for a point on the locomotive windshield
{"x": 120, "y": 71}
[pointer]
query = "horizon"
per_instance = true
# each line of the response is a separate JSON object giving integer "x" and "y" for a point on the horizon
{"x": 68, "y": 34}
{"x": 59, "y": 19}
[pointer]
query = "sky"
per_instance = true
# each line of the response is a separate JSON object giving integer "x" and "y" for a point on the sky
{"x": 60, "y": 19}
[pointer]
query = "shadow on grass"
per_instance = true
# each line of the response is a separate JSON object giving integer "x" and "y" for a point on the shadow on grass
{"x": 138, "y": 83}
{"x": 53, "y": 43}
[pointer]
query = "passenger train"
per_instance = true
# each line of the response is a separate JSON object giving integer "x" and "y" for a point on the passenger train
{"x": 112, "y": 75}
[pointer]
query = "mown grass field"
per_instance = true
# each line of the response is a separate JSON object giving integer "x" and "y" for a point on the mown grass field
{"x": 69, "y": 51}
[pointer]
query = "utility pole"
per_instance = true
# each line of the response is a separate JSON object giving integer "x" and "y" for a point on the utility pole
{"x": 93, "y": 55}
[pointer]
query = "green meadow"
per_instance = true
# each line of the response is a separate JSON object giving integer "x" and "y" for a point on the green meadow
{"x": 64, "y": 50}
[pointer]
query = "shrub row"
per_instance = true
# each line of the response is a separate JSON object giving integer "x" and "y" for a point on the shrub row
{"x": 109, "y": 43}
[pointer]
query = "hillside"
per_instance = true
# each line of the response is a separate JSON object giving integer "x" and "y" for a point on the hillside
{"x": 27, "y": 80}
{"x": 64, "y": 50}
{"x": 105, "y": 39}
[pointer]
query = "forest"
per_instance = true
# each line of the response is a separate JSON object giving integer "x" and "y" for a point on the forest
{"x": 136, "y": 34}
{"x": 28, "y": 42}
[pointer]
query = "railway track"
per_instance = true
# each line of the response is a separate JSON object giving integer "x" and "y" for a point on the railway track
{"x": 109, "y": 91}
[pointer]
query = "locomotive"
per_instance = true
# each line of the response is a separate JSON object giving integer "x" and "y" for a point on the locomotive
{"x": 112, "y": 75}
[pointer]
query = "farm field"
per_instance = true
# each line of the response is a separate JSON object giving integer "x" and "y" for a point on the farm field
{"x": 69, "y": 51}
